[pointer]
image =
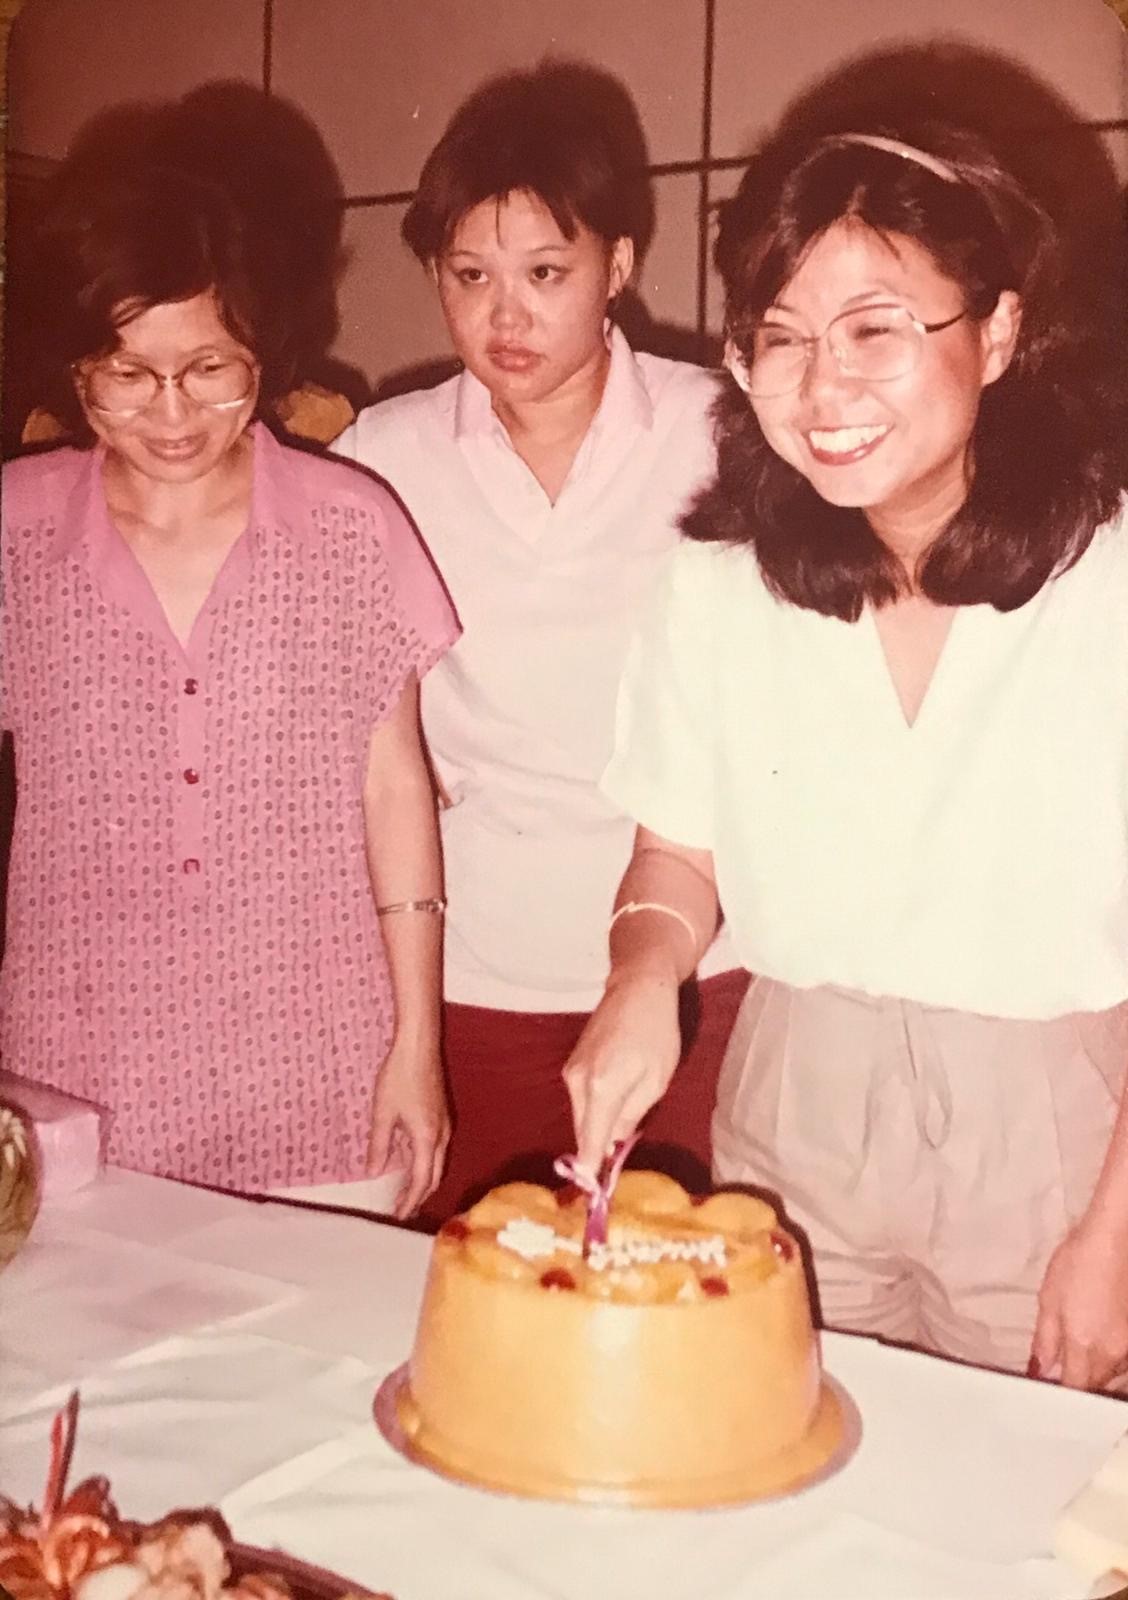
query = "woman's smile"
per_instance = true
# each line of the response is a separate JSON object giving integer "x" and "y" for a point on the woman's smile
{"x": 182, "y": 449}
{"x": 837, "y": 447}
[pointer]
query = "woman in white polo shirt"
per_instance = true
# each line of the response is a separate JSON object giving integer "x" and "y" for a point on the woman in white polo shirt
{"x": 879, "y": 713}
{"x": 547, "y": 480}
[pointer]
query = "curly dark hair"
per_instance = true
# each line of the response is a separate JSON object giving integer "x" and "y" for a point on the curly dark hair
{"x": 1050, "y": 438}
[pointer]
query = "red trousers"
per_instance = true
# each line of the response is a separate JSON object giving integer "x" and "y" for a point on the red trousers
{"x": 511, "y": 1112}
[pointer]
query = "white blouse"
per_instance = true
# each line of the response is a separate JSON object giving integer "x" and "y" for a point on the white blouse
{"x": 977, "y": 859}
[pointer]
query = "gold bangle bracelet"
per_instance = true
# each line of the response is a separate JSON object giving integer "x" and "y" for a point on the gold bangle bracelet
{"x": 632, "y": 907}
{"x": 435, "y": 906}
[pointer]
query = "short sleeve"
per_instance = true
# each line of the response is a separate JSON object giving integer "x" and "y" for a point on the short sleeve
{"x": 661, "y": 772}
{"x": 412, "y": 619}
{"x": 28, "y": 494}
{"x": 419, "y": 593}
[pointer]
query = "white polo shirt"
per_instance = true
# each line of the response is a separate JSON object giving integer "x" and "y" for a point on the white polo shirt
{"x": 519, "y": 715}
{"x": 977, "y": 860}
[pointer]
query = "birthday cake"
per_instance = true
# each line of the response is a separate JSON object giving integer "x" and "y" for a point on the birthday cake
{"x": 671, "y": 1362}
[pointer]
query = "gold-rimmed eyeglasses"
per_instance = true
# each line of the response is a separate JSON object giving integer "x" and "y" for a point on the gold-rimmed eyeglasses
{"x": 873, "y": 343}
{"x": 126, "y": 388}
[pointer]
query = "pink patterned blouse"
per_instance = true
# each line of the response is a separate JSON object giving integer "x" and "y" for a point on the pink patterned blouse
{"x": 192, "y": 939}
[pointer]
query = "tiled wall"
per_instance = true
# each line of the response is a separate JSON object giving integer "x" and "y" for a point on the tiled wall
{"x": 379, "y": 78}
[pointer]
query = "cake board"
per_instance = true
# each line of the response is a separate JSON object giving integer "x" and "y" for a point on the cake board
{"x": 828, "y": 1444}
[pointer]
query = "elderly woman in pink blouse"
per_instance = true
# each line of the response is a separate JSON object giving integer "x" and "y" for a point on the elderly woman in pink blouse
{"x": 225, "y": 896}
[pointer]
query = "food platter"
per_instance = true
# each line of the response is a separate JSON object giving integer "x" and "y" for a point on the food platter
{"x": 80, "y": 1535}
{"x": 305, "y": 1581}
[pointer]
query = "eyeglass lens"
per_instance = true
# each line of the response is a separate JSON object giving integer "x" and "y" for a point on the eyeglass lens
{"x": 213, "y": 381}
{"x": 873, "y": 343}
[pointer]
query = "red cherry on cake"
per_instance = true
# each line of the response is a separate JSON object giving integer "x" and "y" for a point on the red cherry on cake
{"x": 783, "y": 1247}
{"x": 568, "y": 1195}
{"x": 454, "y": 1229}
{"x": 714, "y": 1286}
{"x": 557, "y": 1278}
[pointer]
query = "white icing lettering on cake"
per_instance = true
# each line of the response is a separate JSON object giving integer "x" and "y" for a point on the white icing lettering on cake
{"x": 534, "y": 1241}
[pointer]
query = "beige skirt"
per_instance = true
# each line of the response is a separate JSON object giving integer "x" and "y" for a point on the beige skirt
{"x": 934, "y": 1159}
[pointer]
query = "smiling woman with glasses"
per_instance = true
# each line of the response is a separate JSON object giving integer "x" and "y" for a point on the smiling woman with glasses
{"x": 225, "y": 900}
{"x": 878, "y": 717}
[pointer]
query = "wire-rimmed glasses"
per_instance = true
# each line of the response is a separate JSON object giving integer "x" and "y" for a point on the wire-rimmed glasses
{"x": 873, "y": 343}
{"x": 120, "y": 388}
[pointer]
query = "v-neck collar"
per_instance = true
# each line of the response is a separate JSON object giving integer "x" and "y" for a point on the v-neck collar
{"x": 121, "y": 577}
{"x": 937, "y": 688}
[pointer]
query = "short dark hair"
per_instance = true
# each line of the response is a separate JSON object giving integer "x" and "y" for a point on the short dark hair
{"x": 114, "y": 242}
{"x": 1049, "y": 444}
{"x": 565, "y": 132}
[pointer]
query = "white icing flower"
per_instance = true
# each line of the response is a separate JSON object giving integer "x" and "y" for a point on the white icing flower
{"x": 533, "y": 1241}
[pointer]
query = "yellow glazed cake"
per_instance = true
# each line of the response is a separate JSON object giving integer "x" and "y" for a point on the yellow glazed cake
{"x": 675, "y": 1365}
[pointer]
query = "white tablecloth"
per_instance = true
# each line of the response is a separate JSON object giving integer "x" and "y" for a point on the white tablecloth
{"x": 227, "y": 1352}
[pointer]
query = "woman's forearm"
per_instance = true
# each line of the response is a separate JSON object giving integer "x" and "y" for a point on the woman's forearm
{"x": 629, "y": 1048}
{"x": 405, "y": 867}
{"x": 666, "y": 912}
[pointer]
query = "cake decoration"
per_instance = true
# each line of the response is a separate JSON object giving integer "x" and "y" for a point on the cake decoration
{"x": 685, "y": 1368}
{"x": 623, "y": 1248}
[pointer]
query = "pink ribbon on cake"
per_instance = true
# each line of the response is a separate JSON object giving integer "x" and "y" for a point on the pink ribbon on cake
{"x": 598, "y": 1189}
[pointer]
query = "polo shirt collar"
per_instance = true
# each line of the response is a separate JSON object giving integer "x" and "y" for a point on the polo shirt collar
{"x": 473, "y": 413}
{"x": 626, "y": 400}
{"x": 625, "y": 403}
